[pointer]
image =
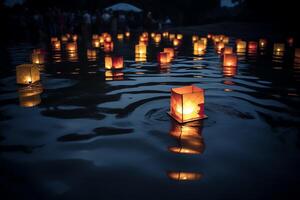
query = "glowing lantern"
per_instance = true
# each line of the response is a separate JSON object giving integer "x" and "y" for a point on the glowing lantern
{"x": 185, "y": 176}
{"x": 165, "y": 34}
{"x": 252, "y": 46}
{"x": 56, "y": 45}
{"x": 278, "y": 47}
{"x": 199, "y": 47}
{"x": 38, "y": 57}
{"x": 95, "y": 36}
{"x": 145, "y": 34}
{"x": 27, "y": 74}
{"x": 290, "y": 41}
{"x": 179, "y": 36}
{"x": 157, "y": 38}
{"x": 117, "y": 62}
{"x": 96, "y": 43}
{"x": 29, "y": 96}
{"x": 172, "y": 36}
{"x": 108, "y": 47}
{"x": 220, "y": 46}
{"x": 262, "y": 43}
{"x": 74, "y": 37}
{"x": 241, "y": 45}
{"x": 101, "y": 40}
{"x": 108, "y": 62}
{"x": 91, "y": 54}
{"x": 225, "y": 39}
{"x": 71, "y": 46}
{"x": 163, "y": 58}
{"x": 204, "y": 40}
{"x": 152, "y": 35}
{"x": 107, "y": 39}
{"x": 209, "y": 36}
{"x": 141, "y": 50}
{"x": 195, "y": 38}
{"x": 64, "y": 38}
{"x": 170, "y": 51}
{"x": 230, "y": 60}
{"x": 189, "y": 138}
{"x": 228, "y": 50}
{"x": 120, "y": 36}
{"x": 127, "y": 34}
{"x": 187, "y": 103}
{"x": 176, "y": 42}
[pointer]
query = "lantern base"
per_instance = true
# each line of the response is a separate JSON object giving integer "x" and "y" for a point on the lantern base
{"x": 190, "y": 120}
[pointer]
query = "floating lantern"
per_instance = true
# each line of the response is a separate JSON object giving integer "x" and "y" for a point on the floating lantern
{"x": 107, "y": 39}
{"x": 101, "y": 40}
{"x": 29, "y": 96}
{"x": 228, "y": 50}
{"x": 95, "y": 36}
{"x": 199, "y": 47}
{"x": 141, "y": 50}
{"x": 56, "y": 45}
{"x": 189, "y": 138}
{"x": 187, "y": 103}
{"x": 165, "y": 34}
{"x": 108, "y": 62}
{"x": 179, "y": 36}
{"x": 262, "y": 43}
{"x": 252, "y": 45}
{"x": 96, "y": 43}
{"x": 108, "y": 47}
{"x": 120, "y": 36}
{"x": 73, "y": 56}
{"x": 230, "y": 60}
{"x": 176, "y": 42}
{"x": 195, "y": 38}
{"x": 184, "y": 176}
{"x": 290, "y": 41}
{"x": 163, "y": 58}
{"x": 278, "y": 47}
{"x": 241, "y": 44}
{"x": 38, "y": 57}
{"x": 140, "y": 58}
{"x": 172, "y": 36}
{"x": 143, "y": 39}
{"x": 64, "y": 38}
{"x": 27, "y": 74}
{"x": 204, "y": 40}
{"x": 220, "y": 46}
{"x": 127, "y": 34}
{"x": 225, "y": 39}
{"x": 117, "y": 62}
{"x": 91, "y": 54}
{"x": 152, "y": 35}
{"x": 74, "y": 37}
{"x": 71, "y": 46}
{"x": 145, "y": 34}
{"x": 170, "y": 51}
{"x": 157, "y": 38}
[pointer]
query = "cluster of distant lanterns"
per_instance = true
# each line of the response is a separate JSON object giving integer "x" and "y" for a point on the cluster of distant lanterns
{"x": 187, "y": 103}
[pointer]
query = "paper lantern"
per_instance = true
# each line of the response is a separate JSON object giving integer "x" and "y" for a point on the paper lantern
{"x": 141, "y": 50}
{"x": 108, "y": 62}
{"x": 199, "y": 47}
{"x": 230, "y": 60}
{"x": 252, "y": 46}
{"x": 96, "y": 43}
{"x": 228, "y": 50}
{"x": 101, "y": 40}
{"x": 220, "y": 46}
{"x": 127, "y": 34}
{"x": 165, "y": 34}
{"x": 108, "y": 47}
{"x": 262, "y": 43}
{"x": 278, "y": 47}
{"x": 184, "y": 176}
{"x": 72, "y": 56}
{"x": 64, "y": 38}
{"x": 209, "y": 36}
{"x": 117, "y": 62}
{"x": 56, "y": 45}
{"x": 113, "y": 75}
{"x": 152, "y": 35}
{"x": 225, "y": 39}
{"x": 241, "y": 44}
{"x": 140, "y": 58}
{"x": 170, "y": 51}
{"x": 179, "y": 36}
{"x": 163, "y": 58}
{"x": 172, "y": 36}
{"x": 107, "y": 39}
{"x": 38, "y": 57}
{"x": 71, "y": 46}
{"x": 195, "y": 38}
{"x": 176, "y": 42}
{"x": 27, "y": 74}
{"x": 29, "y": 96}
{"x": 91, "y": 54}
{"x": 187, "y": 103}
{"x": 229, "y": 71}
{"x": 120, "y": 36}
{"x": 189, "y": 138}
{"x": 204, "y": 40}
{"x": 157, "y": 38}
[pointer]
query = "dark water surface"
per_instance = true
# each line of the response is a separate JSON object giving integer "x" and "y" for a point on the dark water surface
{"x": 97, "y": 136}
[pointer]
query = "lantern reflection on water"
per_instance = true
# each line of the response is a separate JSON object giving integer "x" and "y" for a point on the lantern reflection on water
{"x": 29, "y": 96}
{"x": 91, "y": 54}
{"x": 27, "y": 74}
{"x": 229, "y": 71}
{"x": 184, "y": 176}
{"x": 230, "y": 60}
{"x": 112, "y": 75}
{"x": 189, "y": 138}
{"x": 187, "y": 103}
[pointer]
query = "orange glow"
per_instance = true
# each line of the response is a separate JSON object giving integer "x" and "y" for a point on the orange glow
{"x": 252, "y": 46}
{"x": 179, "y": 36}
{"x": 220, "y": 46}
{"x": 56, "y": 45}
{"x": 152, "y": 35}
{"x": 241, "y": 45}
{"x": 108, "y": 47}
{"x": 176, "y": 42}
{"x": 120, "y": 36}
{"x": 165, "y": 34}
{"x": 96, "y": 43}
{"x": 117, "y": 62}
{"x": 107, "y": 39}
{"x": 184, "y": 176}
{"x": 170, "y": 51}
{"x": 228, "y": 50}
{"x": 163, "y": 58}
{"x": 71, "y": 46}
{"x": 101, "y": 40}
{"x": 127, "y": 34}
{"x": 108, "y": 62}
{"x": 157, "y": 38}
{"x": 64, "y": 38}
{"x": 297, "y": 53}
{"x": 230, "y": 60}
{"x": 262, "y": 43}
{"x": 199, "y": 47}
{"x": 172, "y": 36}
{"x": 29, "y": 96}
{"x": 195, "y": 38}
{"x": 140, "y": 50}
{"x": 75, "y": 37}
{"x": 229, "y": 71}
{"x": 27, "y": 74}
{"x": 187, "y": 103}
{"x": 91, "y": 54}
{"x": 112, "y": 75}
{"x": 278, "y": 47}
